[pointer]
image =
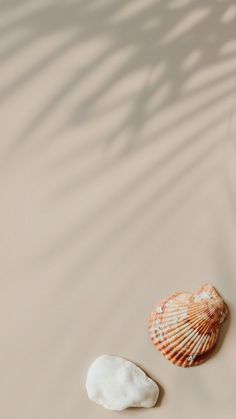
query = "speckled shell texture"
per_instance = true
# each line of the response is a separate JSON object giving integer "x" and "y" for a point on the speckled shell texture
{"x": 185, "y": 327}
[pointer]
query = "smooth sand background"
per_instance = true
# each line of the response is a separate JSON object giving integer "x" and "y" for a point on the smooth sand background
{"x": 118, "y": 187}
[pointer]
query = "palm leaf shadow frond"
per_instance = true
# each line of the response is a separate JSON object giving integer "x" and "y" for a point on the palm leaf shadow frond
{"x": 183, "y": 51}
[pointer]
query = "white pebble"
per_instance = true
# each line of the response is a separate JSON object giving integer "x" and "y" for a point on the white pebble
{"x": 117, "y": 384}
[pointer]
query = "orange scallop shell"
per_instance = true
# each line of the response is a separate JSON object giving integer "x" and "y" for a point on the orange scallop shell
{"x": 185, "y": 327}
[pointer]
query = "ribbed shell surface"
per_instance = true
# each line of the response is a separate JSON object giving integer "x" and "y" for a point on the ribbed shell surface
{"x": 185, "y": 327}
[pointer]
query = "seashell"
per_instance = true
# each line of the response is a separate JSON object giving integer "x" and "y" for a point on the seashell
{"x": 185, "y": 327}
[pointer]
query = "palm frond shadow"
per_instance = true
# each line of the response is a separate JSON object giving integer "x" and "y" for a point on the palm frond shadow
{"x": 185, "y": 40}
{"x": 146, "y": 207}
{"x": 150, "y": 46}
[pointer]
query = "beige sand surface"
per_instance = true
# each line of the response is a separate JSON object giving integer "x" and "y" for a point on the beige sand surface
{"x": 118, "y": 187}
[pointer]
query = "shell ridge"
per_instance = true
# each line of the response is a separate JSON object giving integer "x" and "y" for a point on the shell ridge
{"x": 185, "y": 327}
